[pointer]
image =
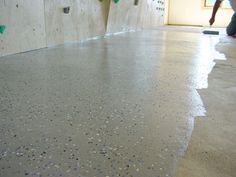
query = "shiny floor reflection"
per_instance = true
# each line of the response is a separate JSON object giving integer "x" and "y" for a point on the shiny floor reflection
{"x": 119, "y": 106}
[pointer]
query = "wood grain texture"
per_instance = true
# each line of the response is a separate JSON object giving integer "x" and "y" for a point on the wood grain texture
{"x": 25, "y": 30}
{"x": 42, "y": 23}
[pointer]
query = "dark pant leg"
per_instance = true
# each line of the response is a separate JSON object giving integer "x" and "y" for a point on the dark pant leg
{"x": 231, "y": 29}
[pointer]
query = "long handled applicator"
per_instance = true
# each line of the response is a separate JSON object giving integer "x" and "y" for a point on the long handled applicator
{"x": 212, "y": 32}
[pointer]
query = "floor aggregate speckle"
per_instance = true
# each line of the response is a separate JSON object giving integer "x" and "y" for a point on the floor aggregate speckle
{"x": 119, "y": 106}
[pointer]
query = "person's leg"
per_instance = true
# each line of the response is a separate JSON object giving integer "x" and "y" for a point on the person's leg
{"x": 231, "y": 29}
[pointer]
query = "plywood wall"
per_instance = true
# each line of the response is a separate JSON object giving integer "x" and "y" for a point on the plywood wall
{"x": 25, "y": 26}
{"x": 34, "y": 24}
{"x": 87, "y": 18}
{"x": 153, "y": 13}
{"x": 125, "y": 16}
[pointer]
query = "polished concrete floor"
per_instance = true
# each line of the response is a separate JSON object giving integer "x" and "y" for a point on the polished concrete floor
{"x": 120, "y": 106}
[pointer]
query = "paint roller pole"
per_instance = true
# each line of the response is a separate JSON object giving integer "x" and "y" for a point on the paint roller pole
{"x": 2, "y": 28}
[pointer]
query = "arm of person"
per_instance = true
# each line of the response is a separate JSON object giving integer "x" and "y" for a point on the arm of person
{"x": 215, "y": 9}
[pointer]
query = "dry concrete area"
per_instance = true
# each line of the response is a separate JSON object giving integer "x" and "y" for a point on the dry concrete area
{"x": 212, "y": 149}
{"x": 132, "y": 105}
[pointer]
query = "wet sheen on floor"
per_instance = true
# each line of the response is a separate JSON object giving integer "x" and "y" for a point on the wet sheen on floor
{"x": 119, "y": 106}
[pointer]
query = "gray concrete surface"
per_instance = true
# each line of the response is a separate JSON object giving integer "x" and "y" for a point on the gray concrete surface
{"x": 120, "y": 106}
{"x": 212, "y": 149}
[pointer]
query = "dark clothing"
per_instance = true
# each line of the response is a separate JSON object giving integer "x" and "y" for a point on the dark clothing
{"x": 231, "y": 29}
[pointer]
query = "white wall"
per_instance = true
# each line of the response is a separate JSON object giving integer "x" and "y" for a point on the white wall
{"x": 192, "y": 12}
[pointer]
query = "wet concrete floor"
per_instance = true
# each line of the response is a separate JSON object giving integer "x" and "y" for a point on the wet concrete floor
{"x": 120, "y": 106}
{"x": 212, "y": 148}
